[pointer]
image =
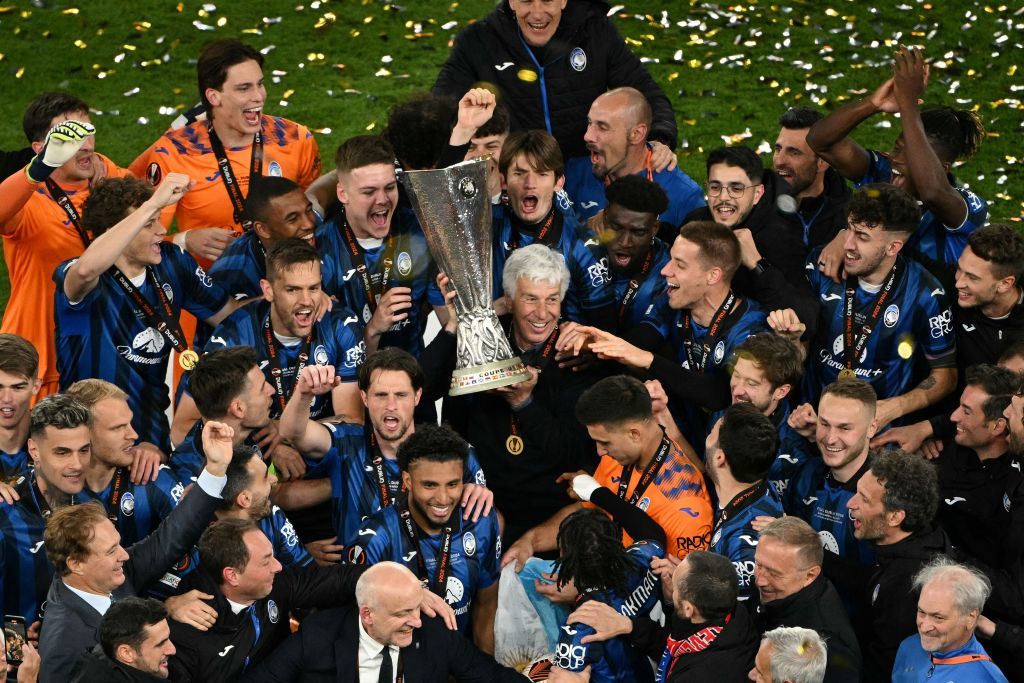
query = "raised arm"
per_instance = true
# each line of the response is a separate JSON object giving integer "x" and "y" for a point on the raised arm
{"x": 85, "y": 273}
{"x": 309, "y": 437}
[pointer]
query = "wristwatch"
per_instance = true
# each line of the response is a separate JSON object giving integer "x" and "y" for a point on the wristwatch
{"x": 761, "y": 266}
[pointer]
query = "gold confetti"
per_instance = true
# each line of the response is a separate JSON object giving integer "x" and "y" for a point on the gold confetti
{"x": 527, "y": 75}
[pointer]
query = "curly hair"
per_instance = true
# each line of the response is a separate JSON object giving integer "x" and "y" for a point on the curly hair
{"x": 955, "y": 133}
{"x": 911, "y": 485}
{"x": 591, "y": 553}
{"x": 881, "y": 205}
{"x": 1002, "y": 246}
{"x": 435, "y": 443}
{"x": 637, "y": 194}
{"x": 110, "y": 202}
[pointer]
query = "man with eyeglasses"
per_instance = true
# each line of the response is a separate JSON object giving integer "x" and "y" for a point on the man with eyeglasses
{"x": 741, "y": 196}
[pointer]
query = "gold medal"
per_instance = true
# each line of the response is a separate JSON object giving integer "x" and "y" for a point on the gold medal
{"x": 514, "y": 445}
{"x": 187, "y": 359}
{"x": 847, "y": 373}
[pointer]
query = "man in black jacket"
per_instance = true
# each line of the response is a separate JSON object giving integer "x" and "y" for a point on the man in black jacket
{"x": 135, "y": 644}
{"x": 93, "y": 570}
{"x": 381, "y": 635}
{"x": 253, "y": 598}
{"x": 550, "y": 61}
{"x": 793, "y": 592}
{"x": 893, "y": 508}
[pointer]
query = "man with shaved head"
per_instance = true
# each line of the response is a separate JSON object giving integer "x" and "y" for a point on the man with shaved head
{"x": 383, "y": 633}
{"x": 618, "y": 125}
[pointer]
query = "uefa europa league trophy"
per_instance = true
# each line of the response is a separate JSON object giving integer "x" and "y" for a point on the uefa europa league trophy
{"x": 455, "y": 212}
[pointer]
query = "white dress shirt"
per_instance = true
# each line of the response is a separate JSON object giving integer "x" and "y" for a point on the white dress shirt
{"x": 370, "y": 657}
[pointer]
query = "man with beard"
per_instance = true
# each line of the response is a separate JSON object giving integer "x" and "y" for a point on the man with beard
{"x": 362, "y": 459}
{"x": 616, "y": 138}
{"x": 59, "y": 449}
{"x": 627, "y": 248}
{"x": 19, "y": 383}
{"x": 135, "y": 645}
{"x": 118, "y": 307}
{"x": 135, "y": 509}
{"x": 532, "y": 173}
{"x": 825, "y": 482}
{"x": 425, "y": 530}
{"x": 888, "y": 311}
{"x": 94, "y": 570}
{"x": 287, "y": 331}
{"x": 893, "y": 509}
{"x": 820, "y": 193}
{"x": 384, "y": 270}
{"x": 741, "y": 196}
{"x": 41, "y": 217}
{"x": 738, "y": 454}
{"x": 920, "y": 163}
{"x": 794, "y": 592}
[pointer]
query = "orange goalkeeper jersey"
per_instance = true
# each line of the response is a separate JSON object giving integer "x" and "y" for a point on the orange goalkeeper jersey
{"x": 38, "y": 236}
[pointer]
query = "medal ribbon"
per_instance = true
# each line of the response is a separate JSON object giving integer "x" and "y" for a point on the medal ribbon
{"x": 731, "y": 303}
{"x": 647, "y": 476}
{"x": 851, "y": 340}
{"x": 115, "y": 495}
{"x": 277, "y": 361}
{"x": 634, "y": 285}
{"x": 64, "y": 201}
{"x": 162, "y": 319}
{"x": 544, "y": 359}
{"x": 541, "y": 234}
{"x": 444, "y": 560}
{"x": 359, "y": 261}
{"x": 227, "y": 174}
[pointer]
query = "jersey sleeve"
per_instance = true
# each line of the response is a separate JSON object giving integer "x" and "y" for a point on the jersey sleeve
{"x": 977, "y": 212}
{"x": 879, "y": 169}
{"x": 571, "y": 653}
{"x": 659, "y": 315}
{"x": 203, "y": 298}
{"x": 288, "y": 549}
{"x": 490, "y": 563}
{"x": 309, "y": 158}
{"x": 153, "y": 165}
{"x": 474, "y": 473}
{"x": 348, "y": 335}
{"x": 590, "y": 278}
{"x": 934, "y": 323}
{"x": 372, "y": 543}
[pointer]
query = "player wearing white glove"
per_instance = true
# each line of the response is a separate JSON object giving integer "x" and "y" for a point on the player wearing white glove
{"x": 61, "y": 145}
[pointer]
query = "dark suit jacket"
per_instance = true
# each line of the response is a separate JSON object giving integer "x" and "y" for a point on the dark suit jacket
{"x": 325, "y": 651}
{"x": 71, "y": 625}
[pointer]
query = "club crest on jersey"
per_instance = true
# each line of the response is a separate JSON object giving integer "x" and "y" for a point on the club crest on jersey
{"x": 644, "y": 503}
{"x": 453, "y": 590}
{"x": 578, "y": 59}
{"x": 404, "y": 264}
{"x": 320, "y": 355}
{"x": 168, "y": 291}
{"x": 829, "y": 542}
{"x": 274, "y": 169}
{"x": 892, "y": 315}
{"x": 719, "y": 352}
{"x": 367, "y": 313}
{"x": 874, "y": 593}
{"x": 128, "y": 504}
{"x": 272, "y": 612}
{"x": 154, "y": 174}
{"x": 469, "y": 543}
{"x": 716, "y": 538}
{"x": 1006, "y": 502}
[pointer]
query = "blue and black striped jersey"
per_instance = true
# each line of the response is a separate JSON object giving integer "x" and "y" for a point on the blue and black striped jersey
{"x": 141, "y": 506}
{"x": 104, "y": 336}
{"x": 14, "y": 465}
{"x": 650, "y": 287}
{"x": 734, "y": 534}
{"x": 27, "y": 571}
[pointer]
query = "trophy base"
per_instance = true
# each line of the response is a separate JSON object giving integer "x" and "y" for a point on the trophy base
{"x": 488, "y": 376}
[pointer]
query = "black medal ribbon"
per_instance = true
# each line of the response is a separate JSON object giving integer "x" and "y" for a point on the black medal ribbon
{"x": 359, "y": 261}
{"x": 542, "y": 362}
{"x": 647, "y": 476}
{"x": 730, "y": 304}
{"x": 161, "y": 319}
{"x": 116, "y": 491}
{"x": 858, "y": 342}
{"x": 634, "y": 285}
{"x": 541, "y": 234}
{"x": 227, "y": 174}
{"x": 64, "y": 201}
{"x": 444, "y": 560}
{"x": 278, "y": 366}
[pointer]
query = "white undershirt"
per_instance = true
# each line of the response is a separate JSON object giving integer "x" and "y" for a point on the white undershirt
{"x": 870, "y": 288}
{"x": 287, "y": 341}
{"x": 370, "y": 657}
{"x": 370, "y": 243}
{"x": 100, "y": 603}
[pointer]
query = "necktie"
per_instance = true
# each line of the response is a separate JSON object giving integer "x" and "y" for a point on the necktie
{"x": 385, "y": 667}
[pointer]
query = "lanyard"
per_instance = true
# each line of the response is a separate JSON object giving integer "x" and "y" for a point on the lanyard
{"x": 64, "y": 201}
{"x": 856, "y": 342}
{"x": 359, "y": 261}
{"x": 116, "y": 490}
{"x": 634, "y": 285}
{"x": 514, "y": 443}
{"x": 278, "y": 367}
{"x": 731, "y": 303}
{"x": 647, "y": 476}
{"x": 808, "y": 223}
{"x": 962, "y": 659}
{"x": 227, "y": 174}
{"x": 648, "y": 169}
{"x": 256, "y": 626}
{"x": 163, "y": 320}
{"x": 444, "y": 560}
{"x": 377, "y": 460}
{"x": 742, "y": 500}
{"x": 40, "y": 500}
{"x": 541, "y": 234}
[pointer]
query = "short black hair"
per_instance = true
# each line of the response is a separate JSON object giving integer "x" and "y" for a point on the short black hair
{"x": 613, "y": 401}
{"x": 999, "y": 383}
{"x": 749, "y": 442}
{"x": 710, "y": 585}
{"x": 394, "y": 359}
{"x": 237, "y": 473}
{"x": 955, "y": 133}
{"x": 222, "y": 545}
{"x": 125, "y": 622}
{"x": 263, "y": 190}
{"x": 219, "y": 377}
{"x": 111, "y": 200}
{"x": 40, "y": 112}
{"x": 881, "y": 205}
{"x": 637, "y": 193}
{"x": 911, "y": 485}
{"x": 419, "y": 129}
{"x": 60, "y": 411}
{"x": 214, "y": 62}
{"x": 800, "y": 118}
{"x": 739, "y": 156}
{"x": 1002, "y": 246}
{"x": 436, "y": 443}
{"x": 591, "y": 553}
{"x": 287, "y": 253}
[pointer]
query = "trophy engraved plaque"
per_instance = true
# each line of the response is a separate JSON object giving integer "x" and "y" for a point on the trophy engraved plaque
{"x": 454, "y": 209}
